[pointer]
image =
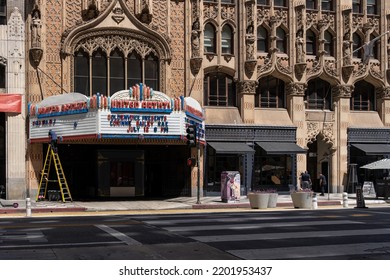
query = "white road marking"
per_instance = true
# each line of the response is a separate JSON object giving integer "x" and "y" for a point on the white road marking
{"x": 119, "y": 235}
{"x": 290, "y": 235}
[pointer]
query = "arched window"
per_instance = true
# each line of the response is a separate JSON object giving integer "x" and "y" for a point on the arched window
{"x": 151, "y": 72}
{"x": 209, "y": 38}
{"x": 329, "y": 43}
{"x": 134, "y": 69}
{"x": 311, "y": 43}
{"x": 117, "y": 71}
{"x": 123, "y": 72}
{"x": 318, "y": 95}
{"x": 227, "y": 40}
{"x": 357, "y": 43}
{"x": 262, "y": 39}
{"x": 99, "y": 72}
{"x": 219, "y": 90}
{"x": 270, "y": 93}
{"x": 363, "y": 97}
{"x": 281, "y": 42}
{"x": 81, "y": 73}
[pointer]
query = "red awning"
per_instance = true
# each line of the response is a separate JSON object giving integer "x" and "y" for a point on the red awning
{"x": 11, "y": 103}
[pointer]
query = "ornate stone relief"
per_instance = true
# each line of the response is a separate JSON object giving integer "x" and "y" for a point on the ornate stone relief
{"x": 210, "y": 11}
{"x": 316, "y": 128}
{"x": 196, "y": 59}
{"x": 247, "y": 87}
{"x": 263, "y": 16}
{"x": 357, "y": 22}
{"x": 342, "y": 91}
{"x": 384, "y": 93}
{"x": 90, "y": 10}
{"x": 311, "y": 19}
{"x": 228, "y": 13}
{"x": 36, "y": 52}
{"x": 250, "y": 60}
{"x": 296, "y": 89}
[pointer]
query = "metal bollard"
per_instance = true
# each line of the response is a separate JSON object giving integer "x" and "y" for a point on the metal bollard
{"x": 28, "y": 207}
{"x": 315, "y": 204}
{"x": 345, "y": 200}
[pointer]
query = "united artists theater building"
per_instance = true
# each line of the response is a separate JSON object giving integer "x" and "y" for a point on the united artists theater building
{"x": 278, "y": 87}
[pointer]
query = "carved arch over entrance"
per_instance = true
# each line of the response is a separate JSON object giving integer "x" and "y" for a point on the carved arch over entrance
{"x": 324, "y": 129}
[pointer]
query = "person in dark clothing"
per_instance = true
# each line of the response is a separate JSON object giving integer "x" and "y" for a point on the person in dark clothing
{"x": 53, "y": 140}
{"x": 306, "y": 180}
{"x": 322, "y": 183}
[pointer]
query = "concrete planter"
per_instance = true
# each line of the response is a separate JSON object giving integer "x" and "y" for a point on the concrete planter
{"x": 273, "y": 200}
{"x": 302, "y": 199}
{"x": 258, "y": 200}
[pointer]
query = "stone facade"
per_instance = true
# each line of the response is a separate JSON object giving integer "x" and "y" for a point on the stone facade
{"x": 175, "y": 30}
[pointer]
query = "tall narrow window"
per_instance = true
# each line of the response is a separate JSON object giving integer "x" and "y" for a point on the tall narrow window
{"x": 318, "y": 94}
{"x": 262, "y": 39}
{"x": 117, "y": 71}
{"x": 270, "y": 93}
{"x": 209, "y": 38}
{"x": 227, "y": 40}
{"x": 363, "y": 97}
{"x": 3, "y": 12}
{"x": 371, "y": 7}
{"x": 151, "y": 72}
{"x": 327, "y": 5}
{"x": 99, "y": 73}
{"x": 281, "y": 42}
{"x": 357, "y": 43}
{"x": 311, "y": 4}
{"x": 219, "y": 90}
{"x": 311, "y": 43}
{"x": 134, "y": 70}
{"x": 263, "y": 2}
{"x": 329, "y": 43}
{"x": 81, "y": 73}
{"x": 280, "y": 3}
{"x": 357, "y": 6}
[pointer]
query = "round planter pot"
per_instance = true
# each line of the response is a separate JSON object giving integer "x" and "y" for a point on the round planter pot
{"x": 302, "y": 199}
{"x": 258, "y": 200}
{"x": 273, "y": 200}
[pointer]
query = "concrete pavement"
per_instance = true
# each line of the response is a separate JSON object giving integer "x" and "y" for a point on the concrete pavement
{"x": 8, "y": 207}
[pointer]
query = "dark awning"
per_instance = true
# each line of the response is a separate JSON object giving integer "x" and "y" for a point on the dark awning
{"x": 373, "y": 149}
{"x": 281, "y": 148}
{"x": 231, "y": 147}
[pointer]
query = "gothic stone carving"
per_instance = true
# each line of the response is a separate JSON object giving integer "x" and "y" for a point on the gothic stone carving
{"x": 247, "y": 87}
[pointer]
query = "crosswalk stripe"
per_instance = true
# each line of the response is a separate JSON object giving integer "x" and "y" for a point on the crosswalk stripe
{"x": 119, "y": 235}
{"x": 310, "y": 252}
{"x": 289, "y": 235}
{"x": 225, "y": 220}
{"x": 258, "y": 225}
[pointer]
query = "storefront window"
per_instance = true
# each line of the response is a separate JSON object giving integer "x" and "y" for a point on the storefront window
{"x": 272, "y": 172}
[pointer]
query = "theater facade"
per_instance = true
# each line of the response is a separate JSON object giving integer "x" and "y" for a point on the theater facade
{"x": 279, "y": 87}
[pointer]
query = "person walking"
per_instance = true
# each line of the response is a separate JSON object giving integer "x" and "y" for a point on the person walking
{"x": 322, "y": 183}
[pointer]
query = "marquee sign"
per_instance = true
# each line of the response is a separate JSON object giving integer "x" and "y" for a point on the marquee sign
{"x": 139, "y": 112}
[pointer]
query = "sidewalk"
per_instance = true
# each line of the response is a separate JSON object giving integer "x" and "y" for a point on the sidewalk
{"x": 179, "y": 203}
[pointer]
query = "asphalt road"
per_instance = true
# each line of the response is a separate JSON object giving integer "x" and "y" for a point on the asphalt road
{"x": 345, "y": 234}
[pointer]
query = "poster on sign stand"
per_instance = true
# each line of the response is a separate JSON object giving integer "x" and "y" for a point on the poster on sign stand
{"x": 230, "y": 186}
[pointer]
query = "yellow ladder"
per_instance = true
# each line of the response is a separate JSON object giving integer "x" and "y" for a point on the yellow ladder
{"x": 52, "y": 155}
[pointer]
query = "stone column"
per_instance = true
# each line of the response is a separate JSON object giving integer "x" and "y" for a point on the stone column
{"x": 341, "y": 97}
{"x": 384, "y": 105}
{"x": 296, "y": 109}
{"x": 246, "y": 92}
{"x": 15, "y": 123}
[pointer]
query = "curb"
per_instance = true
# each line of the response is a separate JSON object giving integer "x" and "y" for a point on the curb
{"x": 247, "y": 205}
{"x": 41, "y": 210}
